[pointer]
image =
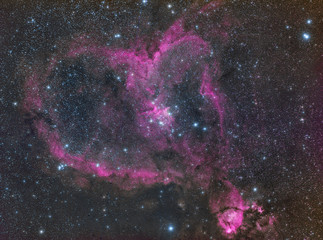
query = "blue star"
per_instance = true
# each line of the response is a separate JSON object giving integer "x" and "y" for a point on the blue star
{"x": 306, "y": 36}
{"x": 170, "y": 228}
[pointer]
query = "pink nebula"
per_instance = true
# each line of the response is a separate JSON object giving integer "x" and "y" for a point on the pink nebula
{"x": 154, "y": 123}
{"x": 155, "y": 143}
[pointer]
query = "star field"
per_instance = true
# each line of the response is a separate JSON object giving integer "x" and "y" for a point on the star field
{"x": 161, "y": 120}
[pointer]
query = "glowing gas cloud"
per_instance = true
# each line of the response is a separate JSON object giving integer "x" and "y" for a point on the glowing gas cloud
{"x": 137, "y": 117}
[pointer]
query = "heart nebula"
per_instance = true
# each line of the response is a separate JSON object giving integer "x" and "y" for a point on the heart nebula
{"x": 136, "y": 116}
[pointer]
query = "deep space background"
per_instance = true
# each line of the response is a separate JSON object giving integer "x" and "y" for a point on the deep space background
{"x": 271, "y": 75}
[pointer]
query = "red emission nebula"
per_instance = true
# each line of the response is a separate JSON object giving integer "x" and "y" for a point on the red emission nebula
{"x": 128, "y": 124}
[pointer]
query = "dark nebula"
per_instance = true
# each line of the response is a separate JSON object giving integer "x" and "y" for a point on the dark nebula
{"x": 161, "y": 120}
